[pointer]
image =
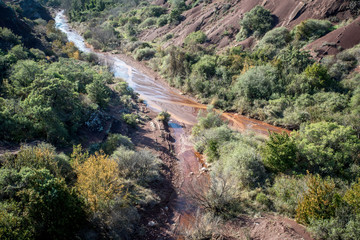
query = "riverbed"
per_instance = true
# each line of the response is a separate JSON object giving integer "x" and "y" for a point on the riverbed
{"x": 184, "y": 110}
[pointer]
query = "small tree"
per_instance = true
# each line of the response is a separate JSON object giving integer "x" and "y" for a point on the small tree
{"x": 256, "y": 22}
{"x": 352, "y": 196}
{"x": 98, "y": 92}
{"x": 279, "y": 152}
{"x": 98, "y": 181}
{"x": 319, "y": 202}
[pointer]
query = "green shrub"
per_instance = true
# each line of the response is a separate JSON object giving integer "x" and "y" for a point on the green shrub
{"x": 312, "y": 29}
{"x": 39, "y": 196}
{"x": 162, "y": 21}
{"x": 99, "y": 93}
{"x": 256, "y": 22}
{"x": 8, "y": 39}
{"x": 257, "y": 83}
{"x": 43, "y": 155}
{"x": 263, "y": 199}
{"x": 344, "y": 225}
{"x": 294, "y": 60}
{"x": 113, "y": 141}
{"x": 279, "y": 153}
{"x": 241, "y": 161}
{"x": 154, "y": 11}
{"x": 144, "y": 54}
{"x": 148, "y": 23}
{"x": 287, "y": 192}
{"x": 131, "y": 119}
{"x": 141, "y": 166}
{"x": 164, "y": 116}
{"x": 211, "y": 120}
{"x": 210, "y": 141}
{"x": 277, "y": 37}
{"x": 194, "y": 38}
{"x": 175, "y": 16}
{"x": 328, "y": 148}
{"x": 318, "y": 77}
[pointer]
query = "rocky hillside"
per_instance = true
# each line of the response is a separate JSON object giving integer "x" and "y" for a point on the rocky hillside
{"x": 342, "y": 38}
{"x": 219, "y": 19}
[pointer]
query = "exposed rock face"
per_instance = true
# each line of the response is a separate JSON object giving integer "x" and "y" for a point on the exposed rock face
{"x": 220, "y": 18}
{"x": 336, "y": 41}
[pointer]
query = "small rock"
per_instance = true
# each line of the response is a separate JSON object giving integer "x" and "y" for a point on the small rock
{"x": 153, "y": 126}
{"x": 166, "y": 208}
{"x": 152, "y": 224}
{"x": 191, "y": 173}
{"x": 204, "y": 169}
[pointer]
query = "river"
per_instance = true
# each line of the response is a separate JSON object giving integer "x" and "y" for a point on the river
{"x": 183, "y": 110}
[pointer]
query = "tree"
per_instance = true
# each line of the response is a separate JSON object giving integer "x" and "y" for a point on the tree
{"x": 352, "y": 196}
{"x": 43, "y": 206}
{"x": 98, "y": 92}
{"x": 98, "y": 181}
{"x": 312, "y": 29}
{"x": 328, "y": 148}
{"x": 257, "y": 83}
{"x": 280, "y": 152}
{"x": 318, "y": 77}
{"x": 23, "y": 74}
{"x": 319, "y": 202}
{"x": 256, "y": 22}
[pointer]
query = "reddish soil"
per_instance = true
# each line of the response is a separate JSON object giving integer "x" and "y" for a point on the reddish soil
{"x": 268, "y": 227}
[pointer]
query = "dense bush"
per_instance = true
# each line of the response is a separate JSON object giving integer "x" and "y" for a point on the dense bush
{"x": 287, "y": 192}
{"x": 352, "y": 196}
{"x": 256, "y": 22}
{"x": 242, "y": 161}
{"x": 279, "y": 153}
{"x": 312, "y": 29}
{"x": 144, "y": 53}
{"x": 329, "y": 149}
{"x": 194, "y": 38}
{"x": 48, "y": 101}
{"x": 319, "y": 202}
{"x": 278, "y": 37}
{"x": 113, "y": 141}
{"x": 257, "y": 83}
{"x": 34, "y": 197}
{"x": 141, "y": 166}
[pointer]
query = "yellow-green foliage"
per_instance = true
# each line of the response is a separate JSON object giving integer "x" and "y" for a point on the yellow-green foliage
{"x": 352, "y": 197}
{"x": 164, "y": 116}
{"x": 319, "y": 202}
{"x": 98, "y": 181}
